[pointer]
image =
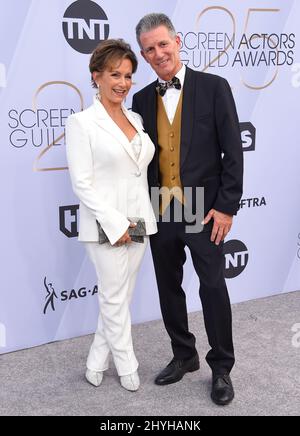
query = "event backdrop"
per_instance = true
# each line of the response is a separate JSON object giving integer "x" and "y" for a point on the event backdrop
{"x": 48, "y": 286}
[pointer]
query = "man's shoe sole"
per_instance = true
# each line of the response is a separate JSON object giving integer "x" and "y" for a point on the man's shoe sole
{"x": 221, "y": 403}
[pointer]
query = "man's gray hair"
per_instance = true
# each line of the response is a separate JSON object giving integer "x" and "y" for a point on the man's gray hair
{"x": 152, "y": 21}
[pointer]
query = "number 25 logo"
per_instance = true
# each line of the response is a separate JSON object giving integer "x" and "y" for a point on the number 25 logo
{"x": 250, "y": 14}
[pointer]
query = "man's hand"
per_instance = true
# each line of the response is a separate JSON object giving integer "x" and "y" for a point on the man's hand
{"x": 222, "y": 225}
{"x": 125, "y": 239}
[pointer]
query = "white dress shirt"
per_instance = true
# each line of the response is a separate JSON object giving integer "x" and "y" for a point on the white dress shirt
{"x": 136, "y": 144}
{"x": 172, "y": 95}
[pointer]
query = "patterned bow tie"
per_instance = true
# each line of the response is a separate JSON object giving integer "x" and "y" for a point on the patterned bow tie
{"x": 162, "y": 87}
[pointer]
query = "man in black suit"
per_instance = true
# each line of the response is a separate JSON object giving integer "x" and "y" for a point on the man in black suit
{"x": 192, "y": 120}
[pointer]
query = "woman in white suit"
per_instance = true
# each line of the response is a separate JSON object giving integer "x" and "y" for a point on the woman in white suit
{"x": 108, "y": 154}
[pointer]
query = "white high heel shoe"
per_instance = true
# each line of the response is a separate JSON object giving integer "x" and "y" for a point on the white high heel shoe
{"x": 131, "y": 382}
{"x": 94, "y": 377}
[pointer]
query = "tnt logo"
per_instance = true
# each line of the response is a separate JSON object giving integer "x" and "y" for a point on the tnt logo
{"x": 85, "y": 24}
{"x": 2, "y": 335}
{"x": 236, "y": 258}
{"x": 248, "y": 133}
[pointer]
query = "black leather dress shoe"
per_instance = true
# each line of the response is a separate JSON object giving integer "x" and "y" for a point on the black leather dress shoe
{"x": 222, "y": 392}
{"x": 176, "y": 370}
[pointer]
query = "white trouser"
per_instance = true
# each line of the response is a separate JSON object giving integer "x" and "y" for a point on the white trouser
{"x": 116, "y": 269}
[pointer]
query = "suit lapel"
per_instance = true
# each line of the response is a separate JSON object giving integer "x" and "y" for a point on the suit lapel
{"x": 103, "y": 120}
{"x": 151, "y": 117}
{"x": 139, "y": 128}
{"x": 187, "y": 115}
{"x": 150, "y": 124}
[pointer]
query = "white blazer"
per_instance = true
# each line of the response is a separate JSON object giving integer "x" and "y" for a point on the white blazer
{"x": 108, "y": 180}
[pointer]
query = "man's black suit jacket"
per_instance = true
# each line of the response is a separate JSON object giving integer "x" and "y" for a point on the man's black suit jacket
{"x": 210, "y": 150}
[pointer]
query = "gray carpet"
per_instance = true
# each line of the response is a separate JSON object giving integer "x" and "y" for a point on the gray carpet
{"x": 49, "y": 380}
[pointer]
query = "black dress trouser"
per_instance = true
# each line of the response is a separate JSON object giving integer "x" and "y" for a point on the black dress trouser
{"x": 168, "y": 252}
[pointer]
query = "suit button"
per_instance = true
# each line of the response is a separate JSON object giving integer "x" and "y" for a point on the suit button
{"x": 138, "y": 174}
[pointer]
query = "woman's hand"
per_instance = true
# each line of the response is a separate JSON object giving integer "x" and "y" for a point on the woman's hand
{"x": 125, "y": 239}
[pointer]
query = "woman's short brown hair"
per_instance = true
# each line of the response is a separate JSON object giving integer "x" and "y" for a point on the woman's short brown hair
{"x": 108, "y": 52}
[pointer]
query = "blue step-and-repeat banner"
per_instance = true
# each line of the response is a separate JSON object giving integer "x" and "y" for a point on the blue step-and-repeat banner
{"x": 48, "y": 286}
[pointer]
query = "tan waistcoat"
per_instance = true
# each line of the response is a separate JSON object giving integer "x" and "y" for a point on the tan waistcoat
{"x": 169, "y": 153}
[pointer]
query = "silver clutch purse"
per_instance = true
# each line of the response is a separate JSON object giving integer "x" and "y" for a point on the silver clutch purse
{"x": 136, "y": 233}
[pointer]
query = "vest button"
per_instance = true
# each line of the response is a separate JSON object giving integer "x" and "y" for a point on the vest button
{"x": 172, "y": 164}
{"x": 172, "y": 148}
{"x": 138, "y": 174}
{"x": 173, "y": 178}
{"x": 172, "y": 135}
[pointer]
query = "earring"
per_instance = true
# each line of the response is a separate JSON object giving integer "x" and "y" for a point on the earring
{"x": 98, "y": 93}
